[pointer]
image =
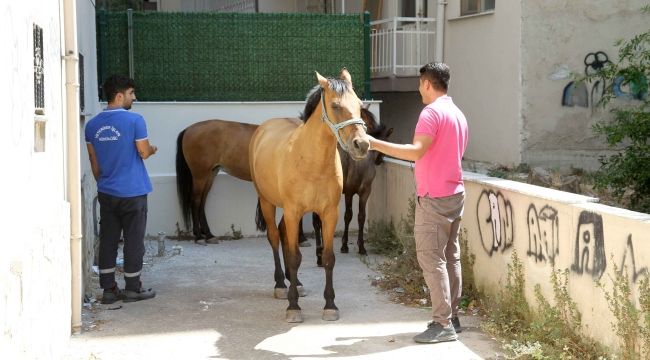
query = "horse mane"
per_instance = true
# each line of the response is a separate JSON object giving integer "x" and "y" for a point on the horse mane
{"x": 339, "y": 86}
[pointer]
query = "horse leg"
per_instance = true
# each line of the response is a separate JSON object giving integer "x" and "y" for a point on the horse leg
{"x": 273, "y": 235}
{"x": 329, "y": 218}
{"x": 363, "y": 199}
{"x": 315, "y": 219}
{"x": 198, "y": 185}
{"x": 283, "y": 241}
{"x": 294, "y": 258}
{"x": 301, "y": 234}
{"x": 205, "y": 228}
{"x": 347, "y": 218}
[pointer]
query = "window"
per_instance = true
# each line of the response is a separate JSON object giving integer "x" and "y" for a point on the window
{"x": 39, "y": 91}
{"x": 409, "y": 9}
{"x": 471, "y": 7}
{"x": 82, "y": 98}
{"x": 39, "y": 87}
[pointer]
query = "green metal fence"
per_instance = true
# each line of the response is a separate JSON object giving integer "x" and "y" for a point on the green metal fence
{"x": 231, "y": 56}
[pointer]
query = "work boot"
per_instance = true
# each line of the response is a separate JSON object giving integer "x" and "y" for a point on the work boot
{"x": 436, "y": 333}
{"x": 112, "y": 295}
{"x": 137, "y": 295}
{"x": 456, "y": 322}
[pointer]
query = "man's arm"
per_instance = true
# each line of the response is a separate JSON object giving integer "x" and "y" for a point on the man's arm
{"x": 145, "y": 149}
{"x": 409, "y": 152}
{"x": 94, "y": 165}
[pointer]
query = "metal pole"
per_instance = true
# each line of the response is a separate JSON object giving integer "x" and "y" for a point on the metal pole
{"x": 394, "y": 59}
{"x": 129, "y": 14}
{"x": 366, "y": 55}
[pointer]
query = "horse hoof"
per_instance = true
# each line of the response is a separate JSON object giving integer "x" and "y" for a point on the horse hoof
{"x": 294, "y": 316}
{"x": 200, "y": 242}
{"x": 363, "y": 252}
{"x": 301, "y": 291}
{"x": 330, "y": 314}
{"x": 344, "y": 250}
{"x": 280, "y": 293}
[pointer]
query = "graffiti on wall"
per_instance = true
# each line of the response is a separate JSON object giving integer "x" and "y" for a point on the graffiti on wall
{"x": 589, "y": 256}
{"x": 495, "y": 222}
{"x": 632, "y": 86}
{"x": 629, "y": 261}
{"x": 543, "y": 234}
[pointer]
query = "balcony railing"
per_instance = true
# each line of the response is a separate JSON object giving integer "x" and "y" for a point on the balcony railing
{"x": 401, "y": 45}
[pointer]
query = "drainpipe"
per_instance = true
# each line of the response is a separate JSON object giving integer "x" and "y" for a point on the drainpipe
{"x": 440, "y": 30}
{"x": 71, "y": 58}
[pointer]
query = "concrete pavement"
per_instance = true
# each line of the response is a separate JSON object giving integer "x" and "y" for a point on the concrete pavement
{"x": 216, "y": 302}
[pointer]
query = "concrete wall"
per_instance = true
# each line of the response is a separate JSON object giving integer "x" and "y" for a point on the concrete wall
{"x": 483, "y": 53}
{"x": 35, "y": 270}
{"x": 556, "y": 37}
{"x": 547, "y": 229}
{"x": 231, "y": 201}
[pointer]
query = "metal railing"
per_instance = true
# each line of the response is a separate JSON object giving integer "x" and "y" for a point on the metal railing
{"x": 401, "y": 45}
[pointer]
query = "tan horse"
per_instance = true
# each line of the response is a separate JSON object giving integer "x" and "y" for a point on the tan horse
{"x": 295, "y": 165}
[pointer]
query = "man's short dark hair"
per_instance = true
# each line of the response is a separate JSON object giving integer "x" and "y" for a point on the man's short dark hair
{"x": 116, "y": 84}
{"x": 437, "y": 73}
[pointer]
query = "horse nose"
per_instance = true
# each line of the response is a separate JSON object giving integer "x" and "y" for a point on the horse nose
{"x": 361, "y": 145}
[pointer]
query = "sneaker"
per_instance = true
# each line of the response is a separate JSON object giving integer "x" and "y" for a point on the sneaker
{"x": 137, "y": 295}
{"x": 456, "y": 322}
{"x": 436, "y": 333}
{"x": 112, "y": 295}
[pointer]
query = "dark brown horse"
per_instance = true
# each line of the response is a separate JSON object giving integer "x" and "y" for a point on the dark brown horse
{"x": 357, "y": 179}
{"x": 295, "y": 165}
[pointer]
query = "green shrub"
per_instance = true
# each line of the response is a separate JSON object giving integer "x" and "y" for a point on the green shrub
{"x": 632, "y": 323}
{"x": 629, "y": 130}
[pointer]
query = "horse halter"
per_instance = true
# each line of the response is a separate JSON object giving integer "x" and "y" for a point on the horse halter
{"x": 336, "y": 127}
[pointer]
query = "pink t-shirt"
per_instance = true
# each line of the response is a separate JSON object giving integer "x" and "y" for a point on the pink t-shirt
{"x": 439, "y": 172}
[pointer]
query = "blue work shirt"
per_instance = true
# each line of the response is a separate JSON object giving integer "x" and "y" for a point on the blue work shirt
{"x": 113, "y": 134}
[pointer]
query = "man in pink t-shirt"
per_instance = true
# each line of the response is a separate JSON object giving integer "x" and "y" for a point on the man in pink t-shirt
{"x": 438, "y": 146}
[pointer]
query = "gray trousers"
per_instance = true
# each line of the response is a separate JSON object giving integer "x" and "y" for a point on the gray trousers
{"x": 437, "y": 221}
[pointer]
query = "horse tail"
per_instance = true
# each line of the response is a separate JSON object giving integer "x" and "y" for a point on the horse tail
{"x": 259, "y": 218}
{"x": 183, "y": 182}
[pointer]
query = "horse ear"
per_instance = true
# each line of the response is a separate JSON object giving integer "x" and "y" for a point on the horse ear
{"x": 321, "y": 80}
{"x": 365, "y": 106}
{"x": 390, "y": 131}
{"x": 345, "y": 75}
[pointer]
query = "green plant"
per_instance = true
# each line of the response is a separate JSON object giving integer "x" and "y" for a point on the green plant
{"x": 644, "y": 303}
{"x": 545, "y": 332}
{"x": 558, "y": 327}
{"x": 467, "y": 259}
{"x": 629, "y": 131}
{"x": 508, "y": 311}
{"x": 632, "y": 324}
{"x": 529, "y": 350}
{"x": 236, "y": 234}
{"x": 382, "y": 238}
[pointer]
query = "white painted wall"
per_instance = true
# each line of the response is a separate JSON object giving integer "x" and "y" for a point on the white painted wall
{"x": 231, "y": 201}
{"x": 86, "y": 41}
{"x": 35, "y": 268}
